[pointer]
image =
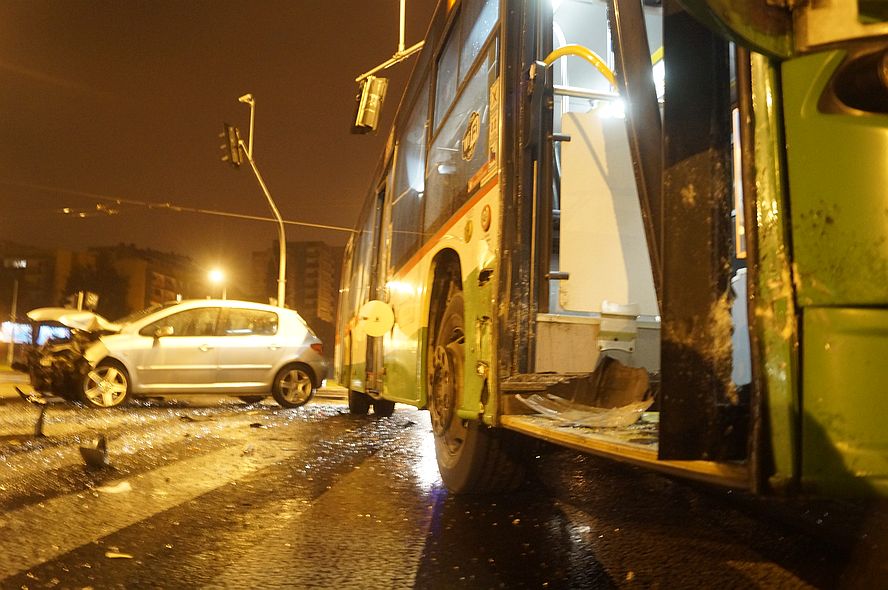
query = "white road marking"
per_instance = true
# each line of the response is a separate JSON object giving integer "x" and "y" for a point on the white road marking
{"x": 67, "y": 522}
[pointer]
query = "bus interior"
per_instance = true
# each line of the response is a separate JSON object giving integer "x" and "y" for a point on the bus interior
{"x": 598, "y": 380}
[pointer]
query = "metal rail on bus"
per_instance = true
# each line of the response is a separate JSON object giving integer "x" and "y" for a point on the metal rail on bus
{"x": 577, "y": 92}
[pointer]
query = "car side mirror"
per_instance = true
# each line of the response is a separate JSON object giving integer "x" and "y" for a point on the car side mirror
{"x": 163, "y": 331}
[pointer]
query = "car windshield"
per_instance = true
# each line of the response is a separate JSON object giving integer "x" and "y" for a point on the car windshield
{"x": 137, "y": 315}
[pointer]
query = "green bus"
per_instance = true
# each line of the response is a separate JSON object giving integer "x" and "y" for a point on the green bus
{"x": 655, "y": 231}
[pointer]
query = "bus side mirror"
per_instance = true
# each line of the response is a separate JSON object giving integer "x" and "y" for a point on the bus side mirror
{"x": 369, "y": 106}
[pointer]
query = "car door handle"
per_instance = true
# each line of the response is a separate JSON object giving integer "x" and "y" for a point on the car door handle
{"x": 274, "y": 346}
{"x": 205, "y": 347}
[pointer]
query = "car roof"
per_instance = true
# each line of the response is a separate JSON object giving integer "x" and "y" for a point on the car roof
{"x": 231, "y": 303}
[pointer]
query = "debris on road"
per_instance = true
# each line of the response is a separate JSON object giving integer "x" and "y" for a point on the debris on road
{"x": 96, "y": 457}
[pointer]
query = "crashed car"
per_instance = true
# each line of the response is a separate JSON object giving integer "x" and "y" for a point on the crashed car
{"x": 199, "y": 346}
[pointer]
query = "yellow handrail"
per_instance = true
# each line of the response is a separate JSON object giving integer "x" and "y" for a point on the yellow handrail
{"x": 594, "y": 59}
{"x": 585, "y": 53}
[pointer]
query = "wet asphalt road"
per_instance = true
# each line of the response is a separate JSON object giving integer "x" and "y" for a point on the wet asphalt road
{"x": 217, "y": 494}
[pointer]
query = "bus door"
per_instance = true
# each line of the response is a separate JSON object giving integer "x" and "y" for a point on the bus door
{"x": 377, "y": 278}
{"x": 634, "y": 245}
{"x": 596, "y": 292}
{"x": 363, "y": 284}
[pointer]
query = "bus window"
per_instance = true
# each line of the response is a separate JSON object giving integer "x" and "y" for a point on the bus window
{"x": 453, "y": 162}
{"x": 474, "y": 24}
{"x": 409, "y": 182}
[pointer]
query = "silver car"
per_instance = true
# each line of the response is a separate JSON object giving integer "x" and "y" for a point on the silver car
{"x": 198, "y": 346}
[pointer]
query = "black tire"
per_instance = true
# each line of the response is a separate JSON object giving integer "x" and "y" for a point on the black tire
{"x": 293, "y": 386}
{"x": 105, "y": 386}
{"x": 251, "y": 399}
{"x": 383, "y": 407}
{"x": 358, "y": 403}
{"x": 472, "y": 458}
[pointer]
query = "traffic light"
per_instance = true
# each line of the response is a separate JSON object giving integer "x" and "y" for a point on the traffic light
{"x": 369, "y": 104}
{"x": 231, "y": 152}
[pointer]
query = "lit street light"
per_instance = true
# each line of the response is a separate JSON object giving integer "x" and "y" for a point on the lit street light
{"x": 217, "y": 277}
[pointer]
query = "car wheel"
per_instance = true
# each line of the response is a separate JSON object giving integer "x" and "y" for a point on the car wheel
{"x": 293, "y": 386}
{"x": 105, "y": 386}
{"x": 383, "y": 407}
{"x": 251, "y": 399}
{"x": 358, "y": 402}
{"x": 472, "y": 458}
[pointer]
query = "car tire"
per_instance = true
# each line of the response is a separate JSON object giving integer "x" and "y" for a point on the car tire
{"x": 293, "y": 386}
{"x": 472, "y": 458}
{"x": 358, "y": 402}
{"x": 251, "y": 399}
{"x": 105, "y": 386}
{"x": 383, "y": 407}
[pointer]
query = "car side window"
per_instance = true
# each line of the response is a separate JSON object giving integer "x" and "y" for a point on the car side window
{"x": 192, "y": 322}
{"x": 249, "y": 322}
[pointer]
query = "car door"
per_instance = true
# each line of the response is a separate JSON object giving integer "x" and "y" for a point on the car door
{"x": 250, "y": 348}
{"x": 185, "y": 356}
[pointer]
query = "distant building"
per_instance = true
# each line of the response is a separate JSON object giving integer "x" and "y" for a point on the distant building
{"x": 44, "y": 276}
{"x": 28, "y": 275}
{"x": 154, "y": 277}
{"x": 312, "y": 274}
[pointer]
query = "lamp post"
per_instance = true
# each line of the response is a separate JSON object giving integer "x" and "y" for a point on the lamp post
{"x": 10, "y": 352}
{"x": 217, "y": 277}
{"x": 282, "y": 238}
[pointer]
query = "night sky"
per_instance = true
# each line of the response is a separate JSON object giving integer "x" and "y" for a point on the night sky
{"x": 126, "y": 98}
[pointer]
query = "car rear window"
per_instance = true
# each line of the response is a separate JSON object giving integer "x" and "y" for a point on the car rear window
{"x": 249, "y": 322}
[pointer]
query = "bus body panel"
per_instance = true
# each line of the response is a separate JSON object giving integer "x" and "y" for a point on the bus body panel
{"x": 839, "y": 215}
{"x": 844, "y": 440}
{"x": 837, "y": 176}
{"x": 774, "y": 308}
{"x": 410, "y": 296}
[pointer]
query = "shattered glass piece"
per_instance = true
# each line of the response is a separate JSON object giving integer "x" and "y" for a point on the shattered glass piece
{"x": 561, "y": 409}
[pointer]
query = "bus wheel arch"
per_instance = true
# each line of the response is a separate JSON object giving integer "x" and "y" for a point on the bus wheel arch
{"x": 472, "y": 457}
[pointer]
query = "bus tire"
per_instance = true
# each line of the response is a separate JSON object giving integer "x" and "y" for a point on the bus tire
{"x": 472, "y": 458}
{"x": 358, "y": 403}
{"x": 383, "y": 407}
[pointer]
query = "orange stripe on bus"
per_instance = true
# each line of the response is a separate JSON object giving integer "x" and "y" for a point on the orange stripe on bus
{"x": 429, "y": 245}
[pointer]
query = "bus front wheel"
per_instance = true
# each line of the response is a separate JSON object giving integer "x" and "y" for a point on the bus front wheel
{"x": 472, "y": 458}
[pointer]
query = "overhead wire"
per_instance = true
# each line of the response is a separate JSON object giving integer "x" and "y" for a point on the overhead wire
{"x": 169, "y": 206}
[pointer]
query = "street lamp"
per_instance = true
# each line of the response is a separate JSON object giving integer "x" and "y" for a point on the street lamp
{"x": 282, "y": 238}
{"x": 217, "y": 277}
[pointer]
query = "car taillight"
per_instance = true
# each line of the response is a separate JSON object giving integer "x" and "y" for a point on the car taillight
{"x": 318, "y": 347}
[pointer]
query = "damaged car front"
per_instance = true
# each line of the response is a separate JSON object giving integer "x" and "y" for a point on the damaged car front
{"x": 65, "y": 345}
